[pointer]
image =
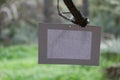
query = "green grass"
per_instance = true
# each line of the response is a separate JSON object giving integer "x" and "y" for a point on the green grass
{"x": 21, "y": 63}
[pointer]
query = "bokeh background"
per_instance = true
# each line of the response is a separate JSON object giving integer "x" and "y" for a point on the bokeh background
{"x": 19, "y": 21}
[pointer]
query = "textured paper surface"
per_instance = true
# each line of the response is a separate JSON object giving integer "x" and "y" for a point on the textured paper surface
{"x": 69, "y": 44}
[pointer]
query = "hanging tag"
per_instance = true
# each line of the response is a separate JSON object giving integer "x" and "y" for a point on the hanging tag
{"x": 69, "y": 44}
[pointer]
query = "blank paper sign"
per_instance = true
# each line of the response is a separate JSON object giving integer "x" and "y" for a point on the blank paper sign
{"x": 69, "y": 44}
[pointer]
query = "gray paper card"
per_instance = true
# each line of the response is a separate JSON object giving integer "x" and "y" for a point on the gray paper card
{"x": 69, "y": 44}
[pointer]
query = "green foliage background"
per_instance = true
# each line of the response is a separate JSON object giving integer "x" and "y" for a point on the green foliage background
{"x": 106, "y": 13}
{"x": 21, "y": 63}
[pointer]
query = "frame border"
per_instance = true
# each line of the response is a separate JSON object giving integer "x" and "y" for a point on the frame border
{"x": 95, "y": 52}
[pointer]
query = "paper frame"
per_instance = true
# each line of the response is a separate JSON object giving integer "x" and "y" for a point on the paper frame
{"x": 96, "y": 35}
